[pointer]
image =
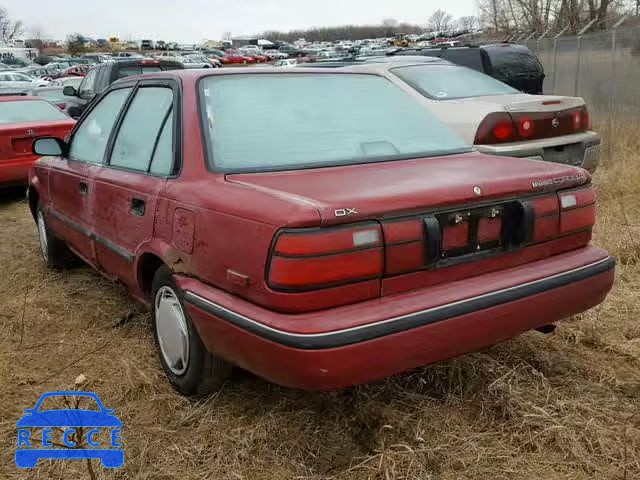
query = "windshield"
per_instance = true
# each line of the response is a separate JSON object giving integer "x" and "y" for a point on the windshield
{"x": 330, "y": 119}
{"x": 29, "y": 111}
{"x": 446, "y": 82}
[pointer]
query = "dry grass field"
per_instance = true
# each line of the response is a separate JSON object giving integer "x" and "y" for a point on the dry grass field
{"x": 560, "y": 406}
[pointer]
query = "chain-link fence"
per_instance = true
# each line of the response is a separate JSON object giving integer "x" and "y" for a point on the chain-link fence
{"x": 603, "y": 68}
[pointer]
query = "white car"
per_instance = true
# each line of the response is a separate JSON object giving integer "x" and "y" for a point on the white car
{"x": 20, "y": 80}
{"x": 494, "y": 117}
{"x": 276, "y": 54}
{"x": 250, "y": 50}
{"x": 286, "y": 63}
{"x": 172, "y": 56}
{"x": 64, "y": 81}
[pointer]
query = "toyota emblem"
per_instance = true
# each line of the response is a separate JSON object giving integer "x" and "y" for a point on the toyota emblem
{"x": 555, "y": 123}
{"x": 477, "y": 190}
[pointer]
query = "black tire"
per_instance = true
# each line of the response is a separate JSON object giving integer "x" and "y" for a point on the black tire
{"x": 204, "y": 373}
{"x": 55, "y": 252}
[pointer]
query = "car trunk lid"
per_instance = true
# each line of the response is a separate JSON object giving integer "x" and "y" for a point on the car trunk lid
{"x": 387, "y": 189}
{"x": 16, "y": 140}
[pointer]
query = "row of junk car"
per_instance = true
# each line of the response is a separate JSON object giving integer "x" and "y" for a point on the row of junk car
{"x": 325, "y": 225}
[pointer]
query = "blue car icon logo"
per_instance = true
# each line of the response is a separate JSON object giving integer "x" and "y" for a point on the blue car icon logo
{"x": 71, "y": 421}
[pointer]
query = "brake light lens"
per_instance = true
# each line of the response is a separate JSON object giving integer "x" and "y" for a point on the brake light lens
{"x": 316, "y": 258}
{"x": 576, "y": 116}
{"x": 526, "y": 127}
{"x": 496, "y": 127}
{"x": 586, "y": 121}
{"x": 546, "y": 218}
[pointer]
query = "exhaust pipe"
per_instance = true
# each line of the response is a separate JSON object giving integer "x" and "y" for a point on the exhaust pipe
{"x": 546, "y": 329}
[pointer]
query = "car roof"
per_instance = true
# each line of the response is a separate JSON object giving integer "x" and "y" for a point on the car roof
{"x": 195, "y": 74}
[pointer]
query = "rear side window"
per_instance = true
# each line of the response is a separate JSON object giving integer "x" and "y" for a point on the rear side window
{"x": 447, "y": 82}
{"x": 90, "y": 139}
{"x": 140, "y": 129}
{"x": 29, "y": 111}
{"x": 329, "y": 119}
{"x": 128, "y": 71}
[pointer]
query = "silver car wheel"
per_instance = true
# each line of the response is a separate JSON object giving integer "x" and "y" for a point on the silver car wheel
{"x": 42, "y": 235}
{"x": 172, "y": 330}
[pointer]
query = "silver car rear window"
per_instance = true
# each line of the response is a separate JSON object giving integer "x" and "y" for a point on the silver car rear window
{"x": 447, "y": 82}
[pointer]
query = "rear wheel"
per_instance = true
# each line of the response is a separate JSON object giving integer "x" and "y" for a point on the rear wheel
{"x": 55, "y": 252}
{"x": 191, "y": 369}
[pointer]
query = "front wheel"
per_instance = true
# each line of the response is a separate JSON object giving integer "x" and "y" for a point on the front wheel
{"x": 191, "y": 369}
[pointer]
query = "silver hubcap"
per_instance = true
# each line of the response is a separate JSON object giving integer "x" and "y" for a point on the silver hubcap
{"x": 42, "y": 235}
{"x": 171, "y": 327}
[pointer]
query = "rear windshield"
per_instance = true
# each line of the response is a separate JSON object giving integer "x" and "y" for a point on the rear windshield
{"x": 29, "y": 111}
{"x": 447, "y": 82}
{"x": 466, "y": 57}
{"x": 138, "y": 70}
{"x": 287, "y": 121}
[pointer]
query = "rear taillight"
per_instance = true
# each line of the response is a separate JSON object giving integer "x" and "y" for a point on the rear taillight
{"x": 496, "y": 127}
{"x": 316, "y": 258}
{"x": 502, "y": 127}
{"x": 586, "y": 121}
{"x": 577, "y": 209}
{"x": 526, "y": 127}
{"x": 546, "y": 218}
{"x": 563, "y": 213}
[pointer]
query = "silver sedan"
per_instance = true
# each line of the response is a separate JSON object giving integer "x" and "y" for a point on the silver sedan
{"x": 496, "y": 118}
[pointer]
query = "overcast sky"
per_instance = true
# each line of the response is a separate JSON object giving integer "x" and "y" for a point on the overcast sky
{"x": 194, "y": 20}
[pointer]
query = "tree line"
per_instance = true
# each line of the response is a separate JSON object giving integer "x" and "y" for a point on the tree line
{"x": 538, "y": 16}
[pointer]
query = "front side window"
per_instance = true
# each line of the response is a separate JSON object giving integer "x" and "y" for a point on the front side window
{"x": 330, "y": 119}
{"x": 87, "y": 87}
{"x": 90, "y": 139}
{"x": 447, "y": 82}
{"x": 136, "y": 139}
{"x": 29, "y": 111}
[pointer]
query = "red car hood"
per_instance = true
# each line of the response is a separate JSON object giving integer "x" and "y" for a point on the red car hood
{"x": 349, "y": 193}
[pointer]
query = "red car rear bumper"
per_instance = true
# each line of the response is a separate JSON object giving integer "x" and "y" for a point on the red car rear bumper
{"x": 15, "y": 172}
{"x": 370, "y": 340}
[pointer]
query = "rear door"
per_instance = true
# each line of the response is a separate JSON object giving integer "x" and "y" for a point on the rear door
{"x": 141, "y": 158}
{"x": 71, "y": 178}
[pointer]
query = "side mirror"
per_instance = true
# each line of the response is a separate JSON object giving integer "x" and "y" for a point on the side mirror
{"x": 74, "y": 111}
{"x": 49, "y": 146}
{"x": 69, "y": 91}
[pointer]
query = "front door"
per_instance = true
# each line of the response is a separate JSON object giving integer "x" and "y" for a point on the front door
{"x": 127, "y": 187}
{"x": 71, "y": 178}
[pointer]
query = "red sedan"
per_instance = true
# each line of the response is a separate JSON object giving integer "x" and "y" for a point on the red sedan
{"x": 76, "y": 71}
{"x": 22, "y": 119}
{"x": 239, "y": 58}
{"x": 222, "y": 59}
{"x": 367, "y": 241}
